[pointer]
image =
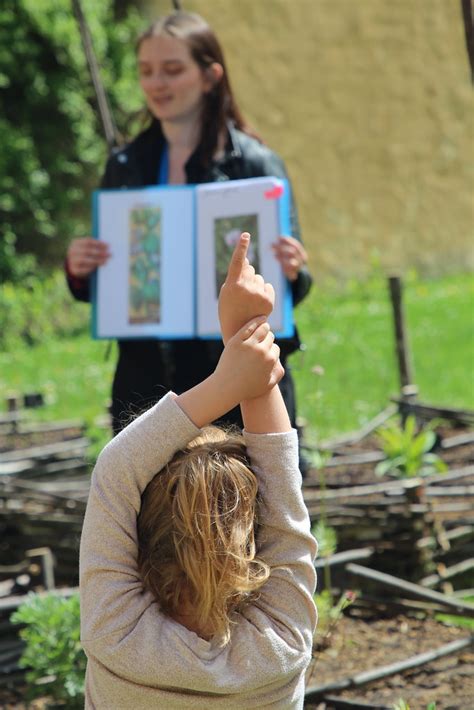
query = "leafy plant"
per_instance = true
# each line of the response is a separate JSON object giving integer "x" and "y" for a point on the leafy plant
{"x": 327, "y": 546}
{"x": 53, "y": 652}
{"x": 330, "y": 613}
{"x": 326, "y": 537}
{"x": 407, "y": 452}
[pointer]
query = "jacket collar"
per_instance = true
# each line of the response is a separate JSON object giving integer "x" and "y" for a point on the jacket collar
{"x": 149, "y": 148}
{"x": 216, "y": 171}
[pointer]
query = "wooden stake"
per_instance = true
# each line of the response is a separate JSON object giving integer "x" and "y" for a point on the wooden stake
{"x": 401, "y": 341}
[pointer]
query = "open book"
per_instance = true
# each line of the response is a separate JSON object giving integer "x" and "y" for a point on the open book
{"x": 170, "y": 249}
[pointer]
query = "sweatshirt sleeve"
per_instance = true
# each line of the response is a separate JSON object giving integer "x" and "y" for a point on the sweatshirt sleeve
{"x": 112, "y": 595}
{"x": 284, "y": 541}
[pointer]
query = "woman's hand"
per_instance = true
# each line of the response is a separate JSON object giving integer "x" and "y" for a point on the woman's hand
{"x": 244, "y": 294}
{"x": 292, "y": 256}
{"x": 85, "y": 255}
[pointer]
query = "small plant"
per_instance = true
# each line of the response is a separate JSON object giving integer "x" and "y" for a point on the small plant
{"x": 53, "y": 655}
{"x": 327, "y": 546}
{"x": 329, "y": 614}
{"x": 407, "y": 452}
{"x": 401, "y": 705}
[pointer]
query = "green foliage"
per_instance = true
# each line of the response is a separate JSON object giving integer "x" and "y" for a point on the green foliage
{"x": 348, "y": 372}
{"x": 330, "y": 613}
{"x": 38, "y": 310}
{"x": 52, "y": 149}
{"x": 408, "y": 452}
{"x": 326, "y": 537}
{"x": 345, "y": 336}
{"x": 53, "y": 652}
{"x": 401, "y": 705}
{"x": 463, "y": 622}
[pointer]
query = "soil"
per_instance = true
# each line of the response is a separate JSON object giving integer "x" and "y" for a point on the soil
{"x": 357, "y": 646}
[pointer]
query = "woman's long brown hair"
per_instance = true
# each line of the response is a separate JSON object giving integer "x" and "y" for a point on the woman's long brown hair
{"x": 219, "y": 104}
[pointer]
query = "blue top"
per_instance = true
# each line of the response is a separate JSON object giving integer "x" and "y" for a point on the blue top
{"x": 163, "y": 168}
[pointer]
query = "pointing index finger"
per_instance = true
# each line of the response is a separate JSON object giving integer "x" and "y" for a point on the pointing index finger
{"x": 237, "y": 261}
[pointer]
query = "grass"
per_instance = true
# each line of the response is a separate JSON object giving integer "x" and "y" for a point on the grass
{"x": 346, "y": 375}
{"x": 349, "y": 371}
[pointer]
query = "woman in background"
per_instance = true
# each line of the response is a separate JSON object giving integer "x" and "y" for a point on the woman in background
{"x": 197, "y": 134}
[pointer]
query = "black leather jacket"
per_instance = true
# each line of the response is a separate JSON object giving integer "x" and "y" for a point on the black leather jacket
{"x": 145, "y": 365}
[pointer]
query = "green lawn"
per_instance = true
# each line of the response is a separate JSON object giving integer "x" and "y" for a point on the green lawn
{"x": 346, "y": 375}
{"x": 349, "y": 370}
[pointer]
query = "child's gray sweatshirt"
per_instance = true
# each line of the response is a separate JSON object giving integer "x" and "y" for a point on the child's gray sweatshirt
{"x": 140, "y": 658}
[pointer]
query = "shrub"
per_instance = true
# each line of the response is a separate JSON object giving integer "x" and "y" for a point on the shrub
{"x": 38, "y": 309}
{"x": 53, "y": 655}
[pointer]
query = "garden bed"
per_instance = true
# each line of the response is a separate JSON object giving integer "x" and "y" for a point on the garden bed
{"x": 43, "y": 489}
{"x": 358, "y": 646}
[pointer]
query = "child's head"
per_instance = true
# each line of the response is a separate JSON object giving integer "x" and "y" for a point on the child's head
{"x": 196, "y": 531}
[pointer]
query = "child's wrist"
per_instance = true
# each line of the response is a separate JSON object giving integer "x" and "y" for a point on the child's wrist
{"x": 224, "y": 391}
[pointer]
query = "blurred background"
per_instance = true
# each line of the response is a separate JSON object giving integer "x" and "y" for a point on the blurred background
{"x": 369, "y": 103}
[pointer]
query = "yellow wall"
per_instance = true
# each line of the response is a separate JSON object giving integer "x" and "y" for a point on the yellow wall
{"x": 370, "y": 104}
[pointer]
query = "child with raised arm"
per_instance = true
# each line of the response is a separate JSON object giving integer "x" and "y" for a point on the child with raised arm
{"x": 197, "y": 574}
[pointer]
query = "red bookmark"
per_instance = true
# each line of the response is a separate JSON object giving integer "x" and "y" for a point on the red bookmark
{"x": 274, "y": 193}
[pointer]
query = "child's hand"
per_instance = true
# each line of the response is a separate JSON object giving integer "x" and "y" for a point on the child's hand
{"x": 249, "y": 365}
{"x": 244, "y": 294}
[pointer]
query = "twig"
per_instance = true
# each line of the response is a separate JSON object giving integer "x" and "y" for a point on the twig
{"x": 340, "y": 558}
{"x": 353, "y": 704}
{"x": 354, "y": 437}
{"x": 411, "y": 588}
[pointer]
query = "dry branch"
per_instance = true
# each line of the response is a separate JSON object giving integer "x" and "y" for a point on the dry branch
{"x": 340, "y": 558}
{"x": 411, "y": 588}
{"x": 353, "y": 704}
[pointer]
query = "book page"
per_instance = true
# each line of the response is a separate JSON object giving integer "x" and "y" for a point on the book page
{"x": 224, "y": 210}
{"x": 146, "y": 289}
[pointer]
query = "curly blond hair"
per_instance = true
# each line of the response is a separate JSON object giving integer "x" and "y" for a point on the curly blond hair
{"x": 196, "y": 531}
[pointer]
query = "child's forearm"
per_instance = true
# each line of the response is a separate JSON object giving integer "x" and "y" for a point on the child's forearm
{"x": 206, "y": 402}
{"x": 248, "y": 367}
{"x": 266, "y": 414}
